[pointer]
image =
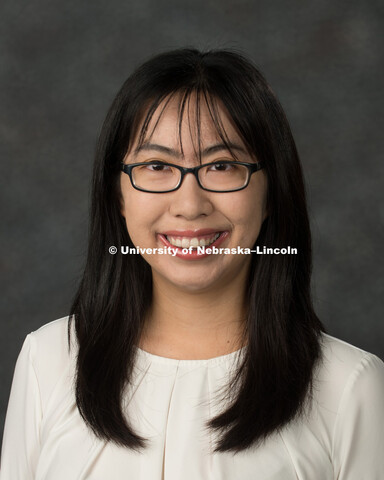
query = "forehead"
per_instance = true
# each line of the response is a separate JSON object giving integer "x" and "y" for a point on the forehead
{"x": 186, "y": 122}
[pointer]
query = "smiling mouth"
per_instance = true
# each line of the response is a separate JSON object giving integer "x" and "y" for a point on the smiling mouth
{"x": 193, "y": 242}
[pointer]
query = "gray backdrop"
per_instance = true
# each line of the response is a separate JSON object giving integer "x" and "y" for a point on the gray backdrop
{"x": 62, "y": 63}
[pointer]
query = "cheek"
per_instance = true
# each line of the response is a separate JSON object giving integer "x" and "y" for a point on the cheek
{"x": 141, "y": 213}
{"x": 247, "y": 209}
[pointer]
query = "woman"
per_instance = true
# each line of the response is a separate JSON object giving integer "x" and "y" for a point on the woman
{"x": 195, "y": 358}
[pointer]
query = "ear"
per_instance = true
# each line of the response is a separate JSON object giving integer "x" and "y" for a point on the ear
{"x": 266, "y": 209}
{"x": 121, "y": 206}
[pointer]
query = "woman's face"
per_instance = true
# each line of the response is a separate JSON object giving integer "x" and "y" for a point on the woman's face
{"x": 156, "y": 220}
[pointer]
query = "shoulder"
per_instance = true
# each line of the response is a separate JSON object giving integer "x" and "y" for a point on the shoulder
{"x": 350, "y": 401}
{"x": 49, "y": 354}
{"x": 342, "y": 359}
{"x": 52, "y": 338}
{"x": 346, "y": 373}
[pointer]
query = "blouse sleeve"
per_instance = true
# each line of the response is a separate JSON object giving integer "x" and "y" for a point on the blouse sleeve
{"x": 358, "y": 439}
{"x": 21, "y": 442}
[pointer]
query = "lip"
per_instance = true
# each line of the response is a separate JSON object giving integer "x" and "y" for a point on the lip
{"x": 192, "y": 255}
{"x": 192, "y": 233}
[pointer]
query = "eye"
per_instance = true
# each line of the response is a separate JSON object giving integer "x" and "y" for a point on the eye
{"x": 222, "y": 167}
{"x": 156, "y": 166}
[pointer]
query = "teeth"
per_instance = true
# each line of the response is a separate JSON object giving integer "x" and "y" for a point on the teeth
{"x": 194, "y": 242}
{"x": 187, "y": 242}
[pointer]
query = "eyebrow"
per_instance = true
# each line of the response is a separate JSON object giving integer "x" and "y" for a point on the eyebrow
{"x": 146, "y": 146}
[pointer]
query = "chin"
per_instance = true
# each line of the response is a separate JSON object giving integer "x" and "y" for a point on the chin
{"x": 190, "y": 284}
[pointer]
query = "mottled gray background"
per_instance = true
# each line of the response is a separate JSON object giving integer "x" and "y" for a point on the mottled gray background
{"x": 62, "y": 63}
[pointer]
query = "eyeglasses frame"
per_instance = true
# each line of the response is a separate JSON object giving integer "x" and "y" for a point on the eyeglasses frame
{"x": 252, "y": 168}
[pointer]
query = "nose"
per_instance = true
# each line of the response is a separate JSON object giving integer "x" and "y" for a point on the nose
{"x": 190, "y": 201}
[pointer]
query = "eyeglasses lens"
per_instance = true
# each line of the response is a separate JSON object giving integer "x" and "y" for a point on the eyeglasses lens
{"x": 218, "y": 177}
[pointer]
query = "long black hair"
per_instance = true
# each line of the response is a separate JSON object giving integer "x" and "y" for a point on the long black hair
{"x": 274, "y": 381}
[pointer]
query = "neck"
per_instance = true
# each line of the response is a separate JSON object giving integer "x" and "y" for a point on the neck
{"x": 191, "y": 325}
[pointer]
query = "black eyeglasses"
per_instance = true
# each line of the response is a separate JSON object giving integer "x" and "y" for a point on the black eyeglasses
{"x": 161, "y": 177}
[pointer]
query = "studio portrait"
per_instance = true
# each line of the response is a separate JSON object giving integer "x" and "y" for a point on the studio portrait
{"x": 193, "y": 237}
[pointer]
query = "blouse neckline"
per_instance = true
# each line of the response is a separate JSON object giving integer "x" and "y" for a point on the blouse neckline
{"x": 209, "y": 362}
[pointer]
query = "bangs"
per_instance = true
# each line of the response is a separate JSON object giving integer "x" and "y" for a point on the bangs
{"x": 189, "y": 100}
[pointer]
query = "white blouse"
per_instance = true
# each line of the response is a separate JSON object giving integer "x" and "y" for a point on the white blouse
{"x": 169, "y": 402}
